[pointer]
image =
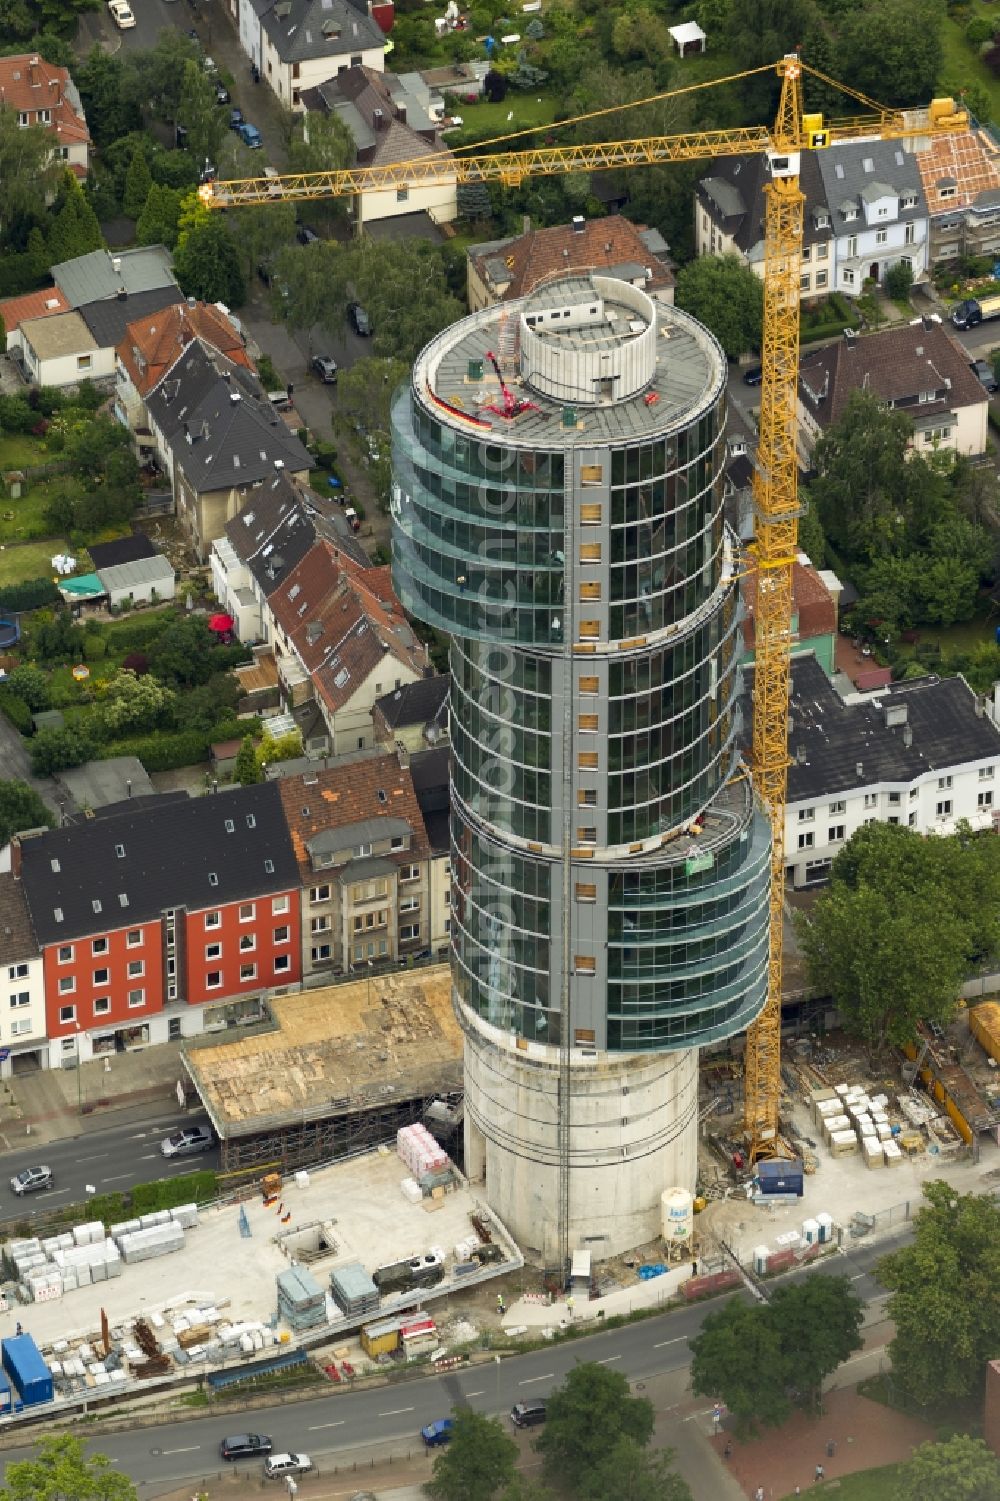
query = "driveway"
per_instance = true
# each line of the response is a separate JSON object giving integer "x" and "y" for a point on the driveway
{"x": 16, "y": 765}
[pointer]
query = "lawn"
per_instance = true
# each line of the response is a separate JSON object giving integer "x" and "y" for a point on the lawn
{"x": 962, "y": 63}
{"x": 29, "y": 560}
{"x": 21, "y": 451}
{"x": 865, "y": 1485}
{"x": 23, "y": 519}
{"x": 527, "y": 109}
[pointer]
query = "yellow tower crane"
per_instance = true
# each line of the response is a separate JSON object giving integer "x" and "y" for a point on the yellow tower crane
{"x": 775, "y": 482}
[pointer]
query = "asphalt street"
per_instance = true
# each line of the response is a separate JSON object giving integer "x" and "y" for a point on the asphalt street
{"x": 106, "y": 1161}
{"x": 342, "y": 1422}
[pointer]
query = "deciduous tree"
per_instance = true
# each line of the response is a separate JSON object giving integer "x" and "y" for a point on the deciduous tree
{"x": 54, "y": 750}
{"x": 132, "y": 703}
{"x": 818, "y": 1324}
{"x": 207, "y": 263}
{"x": 200, "y": 115}
{"x": 21, "y": 808}
{"x": 891, "y": 49}
{"x": 960, "y": 1468}
{"x": 629, "y": 1472}
{"x": 62, "y": 1470}
{"x": 586, "y": 1417}
{"x": 27, "y": 171}
{"x": 477, "y": 1463}
{"x": 723, "y": 293}
{"x": 737, "y": 1356}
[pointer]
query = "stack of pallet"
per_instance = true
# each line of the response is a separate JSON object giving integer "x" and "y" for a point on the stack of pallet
{"x": 301, "y": 1300}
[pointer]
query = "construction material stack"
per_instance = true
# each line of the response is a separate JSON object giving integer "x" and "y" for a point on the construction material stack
{"x": 301, "y": 1300}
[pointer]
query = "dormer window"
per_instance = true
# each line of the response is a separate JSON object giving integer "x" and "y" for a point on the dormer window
{"x": 850, "y": 213}
{"x": 946, "y": 192}
{"x": 821, "y": 219}
{"x": 908, "y": 200}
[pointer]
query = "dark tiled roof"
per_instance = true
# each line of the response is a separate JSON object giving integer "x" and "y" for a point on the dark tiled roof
{"x": 733, "y": 195}
{"x": 898, "y": 365}
{"x": 830, "y": 739}
{"x": 852, "y": 170}
{"x": 370, "y": 792}
{"x": 301, "y": 30}
{"x": 431, "y": 773}
{"x": 416, "y": 703}
{"x": 17, "y": 936}
{"x": 121, "y": 550}
{"x": 169, "y": 855}
{"x": 365, "y": 101}
{"x": 108, "y": 318}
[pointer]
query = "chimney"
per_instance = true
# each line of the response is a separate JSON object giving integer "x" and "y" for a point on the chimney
{"x": 32, "y": 71}
{"x": 579, "y": 224}
{"x": 128, "y": 786}
{"x": 378, "y": 119}
{"x": 907, "y": 736}
{"x": 860, "y": 769}
{"x": 401, "y": 113}
{"x": 116, "y": 264}
{"x": 402, "y": 756}
{"x": 15, "y": 858}
{"x": 800, "y": 755}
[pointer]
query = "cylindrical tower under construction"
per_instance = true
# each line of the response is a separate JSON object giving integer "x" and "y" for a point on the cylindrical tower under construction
{"x": 558, "y": 510}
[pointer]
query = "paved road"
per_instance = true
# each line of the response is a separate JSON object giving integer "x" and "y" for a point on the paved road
{"x": 16, "y": 764}
{"x": 108, "y": 1160}
{"x": 338, "y": 1423}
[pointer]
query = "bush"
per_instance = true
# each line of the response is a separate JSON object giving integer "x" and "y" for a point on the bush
{"x": 978, "y": 31}
{"x": 136, "y": 662}
{"x": 269, "y": 377}
{"x": 138, "y": 634}
{"x": 167, "y": 1193}
{"x": 326, "y": 455}
{"x": 30, "y": 594}
{"x": 16, "y": 710}
{"x": 898, "y": 281}
{"x": 54, "y": 750}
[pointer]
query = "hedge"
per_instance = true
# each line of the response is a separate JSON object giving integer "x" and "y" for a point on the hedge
{"x": 16, "y": 710}
{"x": 138, "y": 632}
{"x": 165, "y": 750}
{"x": 30, "y": 594}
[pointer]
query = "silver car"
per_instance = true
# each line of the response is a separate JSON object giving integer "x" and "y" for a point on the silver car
{"x": 188, "y": 1142}
{"x": 31, "y": 1179}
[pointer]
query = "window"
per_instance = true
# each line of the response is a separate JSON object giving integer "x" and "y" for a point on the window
{"x": 914, "y": 792}
{"x": 892, "y": 819}
{"x": 589, "y": 685}
{"x": 402, "y": 195}
{"x": 136, "y": 968}
{"x": 937, "y": 434}
{"x": 588, "y": 724}
{"x": 849, "y": 214}
{"x": 281, "y": 934}
{"x": 822, "y": 250}
{"x": 321, "y": 953}
{"x": 591, "y": 474}
{"x": 410, "y": 904}
{"x": 881, "y": 236}
{"x": 409, "y": 872}
{"x": 591, "y": 514}
{"x": 912, "y": 820}
{"x": 586, "y": 834}
{"x": 805, "y": 254}
{"x": 943, "y": 809}
{"x": 246, "y": 911}
{"x": 895, "y": 798}
{"x": 806, "y": 815}
{"x": 805, "y": 282}
{"x": 985, "y": 775}
{"x": 134, "y": 938}
{"x": 836, "y": 834}
{"x": 586, "y": 797}
{"x": 20, "y": 971}
{"x": 84, "y": 362}
{"x": 590, "y": 552}
{"x": 944, "y": 784}
{"x": 590, "y": 630}
{"x": 279, "y": 905}
{"x": 67, "y": 1014}
{"x": 806, "y": 841}
{"x": 367, "y": 920}
{"x": 398, "y": 843}
{"x": 587, "y": 761}
{"x": 213, "y": 979}
{"x": 20, "y": 1028}
{"x": 67, "y": 985}
{"x": 319, "y": 894}
{"x": 99, "y": 946}
{"x": 320, "y": 925}
{"x": 985, "y": 799}
{"x": 248, "y": 942}
{"x": 248, "y": 971}
{"x": 848, "y": 278}
{"x": 408, "y": 934}
{"x": 586, "y": 891}
{"x": 19, "y": 998}
{"x": 584, "y": 964}
{"x": 821, "y": 279}
{"x": 363, "y": 850}
{"x": 102, "y": 1005}
{"x": 909, "y": 234}
{"x": 282, "y": 963}
{"x": 838, "y": 807}
{"x": 446, "y": 899}
{"x": 871, "y": 799}
{"x": 66, "y": 954}
{"x": 213, "y": 919}
{"x": 100, "y": 977}
{"x": 213, "y": 951}
{"x": 948, "y": 192}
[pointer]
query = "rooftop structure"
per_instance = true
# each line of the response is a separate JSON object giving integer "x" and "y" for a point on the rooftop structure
{"x": 505, "y": 269}
{"x": 102, "y": 274}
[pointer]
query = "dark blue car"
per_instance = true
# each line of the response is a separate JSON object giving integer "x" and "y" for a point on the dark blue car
{"x": 436, "y": 1434}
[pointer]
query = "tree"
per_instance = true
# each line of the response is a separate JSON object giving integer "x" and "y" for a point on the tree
{"x": 477, "y": 1463}
{"x": 629, "y": 1473}
{"x": 818, "y": 1324}
{"x": 63, "y": 1471}
{"x": 891, "y": 49}
{"x": 182, "y": 653}
{"x": 723, "y": 293}
{"x": 53, "y": 750}
{"x": 585, "y": 1418}
{"x": 365, "y": 391}
{"x": 138, "y": 181}
{"x": 161, "y": 72}
{"x": 943, "y": 1300}
{"x": 310, "y": 286}
{"x": 56, "y": 639}
{"x": 75, "y": 230}
{"x": 260, "y": 230}
{"x": 737, "y": 1356}
{"x": 21, "y": 808}
{"x": 209, "y": 704}
{"x": 31, "y": 684}
{"x": 207, "y": 263}
{"x": 157, "y": 224}
{"x": 200, "y": 114}
{"x": 247, "y": 771}
{"x": 132, "y": 703}
{"x": 404, "y": 287}
{"x": 321, "y": 143}
{"x": 899, "y": 927}
{"x": 899, "y": 280}
{"x": 27, "y": 170}
{"x": 109, "y": 91}
{"x": 960, "y": 1468}
{"x": 279, "y": 748}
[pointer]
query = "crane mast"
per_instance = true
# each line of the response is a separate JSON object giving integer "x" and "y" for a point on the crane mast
{"x": 775, "y": 484}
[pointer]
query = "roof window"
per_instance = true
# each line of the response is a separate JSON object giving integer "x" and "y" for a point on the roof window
{"x": 120, "y": 851}
{"x": 213, "y": 879}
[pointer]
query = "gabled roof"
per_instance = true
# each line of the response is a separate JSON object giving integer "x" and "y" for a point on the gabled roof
{"x": 612, "y": 245}
{"x": 896, "y": 364}
{"x": 386, "y": 125}
{"x": 812, "y": 602}
{"x": 109, "y": 317}
{"x": 17, "y": 310}
{"x": 371, "y": 792}
{"x": 17, "y": 936}
{"x": 151, "y": 344}
{"x": 155, "y": 570}
{"x": 419, "y": 703}
{"x": 343, "y": 622}
{"x": 29, "y": 84}
{"x": 733, "y": 195}
{"x": 122, "y": 550}
{"x": 301, "y": 30}
{"x": 61, "y": 334}
{"x": 865, "y": 170}
{"x": 104, "y": 273}
{"x": 280, "y": 522}
{"x": 968, "y": 163}
{"x": 127, "y": 867}
{"x": 829, "y": 738}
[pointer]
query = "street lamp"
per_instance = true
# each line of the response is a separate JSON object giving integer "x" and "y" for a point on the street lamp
{"x": 79, "y": 1074}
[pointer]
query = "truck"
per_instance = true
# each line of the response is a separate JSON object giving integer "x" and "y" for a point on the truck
{"x": 974, "y": 310}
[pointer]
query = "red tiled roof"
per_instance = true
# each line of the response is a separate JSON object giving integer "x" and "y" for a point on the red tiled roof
{"x": 151, "y": 345}
{"x": 29, "y": 84}
{"x": 598, "y": 245}
{"x": 17, "y": 310}
{"x": 873, "y": 677}
{"x": 811, "y": 599}
{"x": 961, "y": 166}
{"x": 348, "y": 793}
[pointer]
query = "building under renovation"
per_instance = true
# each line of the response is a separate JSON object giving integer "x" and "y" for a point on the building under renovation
{"x": 558, "y": 467}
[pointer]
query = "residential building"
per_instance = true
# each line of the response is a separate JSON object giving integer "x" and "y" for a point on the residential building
{"x": 264, "y": 542}
{"x": 22, "y": 1001}
{"x": 219, "y": 438}
{"x": 504, "y": 269}
{"x": 25, "y": 309}
{"x": 132, "y": 570}
{"x": 960, "y": 175}
{"x": 363, "y": 861}
{"x": 341, "y": 640}
{"x": 814, "y": 613}
{"x": 729, "y": 218}
{"x": 151, "y": 346}
{"x": 40, "y": 93}
{"x": 59, "y": 349}
{"x": 877, "y": 209}
{"x": 415, "y": 715}
{"x": 918, "y": 369}
{"x": 298, "y": 44}
{"x": 922, "y": 753}
{"x": 150, "y": 917}
{"x": 104, "y": 273}
{"x": 431, "y": 773}
{"x": 389, "y": 121}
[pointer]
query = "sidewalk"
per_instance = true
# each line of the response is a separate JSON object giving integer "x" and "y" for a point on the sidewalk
{"x": 57, "y": 1103}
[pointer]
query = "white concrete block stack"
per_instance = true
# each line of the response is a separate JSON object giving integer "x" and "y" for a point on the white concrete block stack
{"x": 411, "y": 1190}
{"x": 419, "y": 1151}
{"x": 43, "y": 1284}
{"x": 152, "y": 1240}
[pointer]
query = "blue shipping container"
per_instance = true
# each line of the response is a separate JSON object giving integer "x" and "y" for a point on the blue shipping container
{"x": 777, "y": 1177}
{"x": 6, "y": 1397}
{"x": 29, "y": 1375}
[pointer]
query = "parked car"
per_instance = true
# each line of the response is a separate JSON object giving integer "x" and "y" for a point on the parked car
{"x": 245, "y": 1446}
{"x": 359, "y": 319}
{"x": 235, "y": 118}
{"x": 209, "y": 65}
{"x": 121, "y": 14}
{"x": 753, "y": 376}
{"x": 325, "y": 367}
{"x": 250, "y": 135}
{"x": 188, "y": 1142}
{"x": 983, "y": 371}
{"x": 31, "y": 1179}
{"x": 527, "y": 1414}
{"x": 221, "y": 92}
{"x": 280, "y": 1465}
{"x": 305, "y": 235}
{"x": 436, "y": 1434}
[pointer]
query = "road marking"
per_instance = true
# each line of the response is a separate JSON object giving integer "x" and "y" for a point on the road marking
{"x": 609, "y": 1360}
{"x": 857, "y": 1276}
{"x": 99, "y": 1157}
{"x": 474, "y": 1394}
{"x": 317, "y": 1426}
{"x": 148, "y": 1156}
{"x": 191, "y": 1449}
{"x": 395, "y": 1412}
{"x": 117, "y": 1178}
{"x": 549, "y": 1376}
{"x": 665, "y": 1342}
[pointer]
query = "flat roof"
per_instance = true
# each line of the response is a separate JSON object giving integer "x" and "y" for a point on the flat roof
{"x": 345, "y": 1047}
